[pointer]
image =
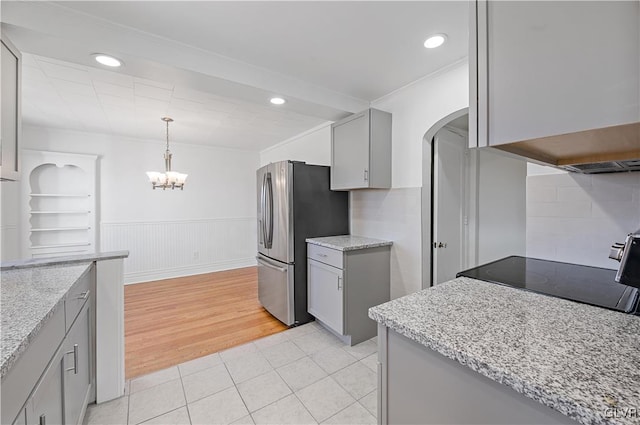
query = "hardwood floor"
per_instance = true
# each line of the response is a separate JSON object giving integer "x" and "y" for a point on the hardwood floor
{"x": 168, "y": 322}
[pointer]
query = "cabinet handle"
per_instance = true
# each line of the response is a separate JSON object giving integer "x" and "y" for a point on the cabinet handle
{"x": 366, "y": 175}
{"x": 43, "y": 419}
{"x": 322, "y": 255}
{"x": 83, "y": 295}
{"x": 339, "y": 283}
{"x": 75, "y": 359}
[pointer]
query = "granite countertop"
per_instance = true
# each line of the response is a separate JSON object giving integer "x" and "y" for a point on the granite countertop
{"x": 28, "y": 298}
{"x": 572, "y": 357}
{"x": 348, "y": 242}
{"x": 68, "y": 259}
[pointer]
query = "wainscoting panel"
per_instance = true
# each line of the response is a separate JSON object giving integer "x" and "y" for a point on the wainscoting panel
{"x": 166, "y": 249}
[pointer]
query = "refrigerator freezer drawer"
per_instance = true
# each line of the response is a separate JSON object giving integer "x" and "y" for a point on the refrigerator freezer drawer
{"x": 275, "y": 289}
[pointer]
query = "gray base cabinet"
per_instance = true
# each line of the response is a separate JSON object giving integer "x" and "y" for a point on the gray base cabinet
{"x": 78, "y": 370}
{"x": 361, "y": 151}
{"x": 417, "y": 385}
{"x": 53, "y": 380}
{"x": 342, "y": 286}
{"x": 46, "y": 405}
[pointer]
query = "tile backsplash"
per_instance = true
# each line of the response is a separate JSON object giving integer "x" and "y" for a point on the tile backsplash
{"x": 576, "y": 217}
{"x": 393, "y": 214}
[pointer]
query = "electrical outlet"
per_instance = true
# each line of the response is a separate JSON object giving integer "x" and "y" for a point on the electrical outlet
{"x": 196, "y": 255}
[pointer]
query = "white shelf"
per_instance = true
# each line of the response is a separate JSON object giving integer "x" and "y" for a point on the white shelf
{"x": 58, "y": 229}
{"x": 59, "y": 195}
{"x": 61, "y": 245}
{"x": 62, "y": 212}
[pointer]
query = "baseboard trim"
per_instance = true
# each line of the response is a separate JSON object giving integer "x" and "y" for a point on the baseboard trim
{"x": 141, "y": 277}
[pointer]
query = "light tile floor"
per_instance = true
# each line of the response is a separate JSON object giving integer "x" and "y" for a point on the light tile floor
{"x": 304, "y": 375}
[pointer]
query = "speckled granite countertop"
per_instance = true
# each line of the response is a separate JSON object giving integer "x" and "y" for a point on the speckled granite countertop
{"x": 348, "y": 242}
{"x": 572, "y": 357}
{"x": 69, "y": 259}
{"x": 28, "y": 298}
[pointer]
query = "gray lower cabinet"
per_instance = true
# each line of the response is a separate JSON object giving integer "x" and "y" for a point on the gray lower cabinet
{"x": 52, "y": 381}
{"x": 325, "y": 294}
{"x": 417, "y": 385}
{"x": 77, "y": 371}
{"x": 342, "y": 286}
{"x": 46, "y": 405}
{"x": 22, "y": 418}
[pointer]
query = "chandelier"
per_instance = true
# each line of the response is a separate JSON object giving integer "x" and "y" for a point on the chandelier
{"x": 168, "y": 179}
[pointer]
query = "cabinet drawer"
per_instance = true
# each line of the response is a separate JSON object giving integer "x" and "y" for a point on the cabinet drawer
{"x": 333, "y": 257}
{"x": 77, "y": 296}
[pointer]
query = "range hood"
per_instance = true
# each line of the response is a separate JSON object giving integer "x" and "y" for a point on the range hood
{"x": 603, "y": 150}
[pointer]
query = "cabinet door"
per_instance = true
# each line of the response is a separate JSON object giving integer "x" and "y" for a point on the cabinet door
{"x": 22, "y": 418}
{"x": 325, "y": 294}
{"x": 550, "y": 68}
{"x": 350, "y": 153}
{"x": 10, "y": 110}
{"x": 77, "y": 360}
{"x": 46, "y": 404}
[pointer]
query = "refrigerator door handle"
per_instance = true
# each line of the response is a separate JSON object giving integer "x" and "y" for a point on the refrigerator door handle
{"x": 271, "y": 266}
{"x": 263, "y": 206}
{"x": 269, "y": 199}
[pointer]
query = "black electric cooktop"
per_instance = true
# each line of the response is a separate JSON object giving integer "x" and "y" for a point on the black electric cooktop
{"x": 585, "y": 284}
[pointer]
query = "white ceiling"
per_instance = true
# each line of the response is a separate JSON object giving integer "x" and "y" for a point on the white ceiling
{"x": 62, "y": 94}
{"x": 213, "y": 65}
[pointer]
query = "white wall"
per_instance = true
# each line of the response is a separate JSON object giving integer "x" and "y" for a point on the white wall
{"x": 576, "y": 217}
{"x": 312, "y": 147}
{"x": 416, "y": 108}
{"x": 394, "y": 214}
{"x": 208, "y": 226}
{"x": 501, "y": 206}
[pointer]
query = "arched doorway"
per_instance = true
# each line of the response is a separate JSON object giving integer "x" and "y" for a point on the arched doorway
{"x": 491, "y": 216}
{"x": 458, "y": 120}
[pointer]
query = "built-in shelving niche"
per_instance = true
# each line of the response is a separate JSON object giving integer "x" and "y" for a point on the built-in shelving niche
{"x": 60, "y": 201}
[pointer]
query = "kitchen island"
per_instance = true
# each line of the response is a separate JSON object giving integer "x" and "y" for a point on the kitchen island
{"x": 468, "y": 351}
{"x": 65, "y": 313}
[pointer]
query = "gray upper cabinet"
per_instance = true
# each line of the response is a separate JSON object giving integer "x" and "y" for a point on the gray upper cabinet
{"x": 361, "y": 151}
{"x": 10, "y": 112}
{"x": 541, "y": 69}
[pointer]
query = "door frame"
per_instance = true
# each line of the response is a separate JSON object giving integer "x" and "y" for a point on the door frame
{"x": 467, "y": 160}
{"x": 427, "y": 204}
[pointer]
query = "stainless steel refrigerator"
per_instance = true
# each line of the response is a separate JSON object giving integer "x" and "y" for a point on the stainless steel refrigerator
{"x": 294, "y": 203}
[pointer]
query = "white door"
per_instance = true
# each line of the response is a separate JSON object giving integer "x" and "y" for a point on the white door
{"x": 448, "y": 204}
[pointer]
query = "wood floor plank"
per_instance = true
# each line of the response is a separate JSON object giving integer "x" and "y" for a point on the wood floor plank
{"x": 171, "y": 321}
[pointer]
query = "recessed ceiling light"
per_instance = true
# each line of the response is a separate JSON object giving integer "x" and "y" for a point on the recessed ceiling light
{"x": 435, "y": 40}
{"x": 107, "y": 60}
{"x": 277, "y": 100}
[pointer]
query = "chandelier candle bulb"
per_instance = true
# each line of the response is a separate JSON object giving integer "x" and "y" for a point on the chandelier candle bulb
{"x": 168, "y": 179}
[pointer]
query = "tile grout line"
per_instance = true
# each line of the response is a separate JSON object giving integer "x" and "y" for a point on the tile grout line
{"x": 304, "y": 406}
{"x": 238, "y": 391}
{"x": 128, "y": 402}
{"x": 184, "y": 393}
